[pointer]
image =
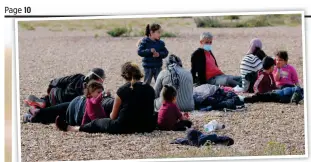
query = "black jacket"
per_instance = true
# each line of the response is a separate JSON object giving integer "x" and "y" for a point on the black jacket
{"x": 69, "y": 87}
{"x": 198, "y": 66}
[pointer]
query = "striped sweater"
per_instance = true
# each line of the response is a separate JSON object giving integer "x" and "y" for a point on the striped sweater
{"x": 185, "y": 100}
{"x": 250, "y": 63}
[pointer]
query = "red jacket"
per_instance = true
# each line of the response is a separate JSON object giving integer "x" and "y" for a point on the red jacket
{"x": 264, "y": 83}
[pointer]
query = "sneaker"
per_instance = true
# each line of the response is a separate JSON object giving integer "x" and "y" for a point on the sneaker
{"x": 27, "y": 118}
{"x": 61, "y": 124}
{"x": 193, "y": 137}
{"x": 296, "y": 98}
{"x": 33, "y": 111}
{"x": 34, "y": 101}
{"x": 238, "y": 109}
{"x": 208, "y": 108}
{"x": 241, "y": 98}
{"x": 225, "y": 140}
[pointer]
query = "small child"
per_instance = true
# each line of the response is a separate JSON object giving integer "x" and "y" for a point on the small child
{"x": 153, "y": 50}
{"x": 265, "y": 81}
{"x": 94, "y": 96}
{"x": 169, "y": 116}
{"x": 284, "y": 74}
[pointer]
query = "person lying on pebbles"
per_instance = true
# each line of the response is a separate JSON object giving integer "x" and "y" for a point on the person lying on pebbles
{"x": 133, "y": 109}
{"x": 65, "y": 89}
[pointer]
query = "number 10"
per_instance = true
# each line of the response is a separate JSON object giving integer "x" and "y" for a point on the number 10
{"x": 27, "y": 9}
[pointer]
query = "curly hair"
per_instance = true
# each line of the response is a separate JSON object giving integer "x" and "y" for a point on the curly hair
{"x": 92, "y": 86}
{"x": 130, "y": 71}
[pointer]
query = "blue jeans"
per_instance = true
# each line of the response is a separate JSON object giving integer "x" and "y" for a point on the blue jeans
{"x": 151, "y": 73}
{"x": 225, "y": 80}
{"x": 288, "y": 91}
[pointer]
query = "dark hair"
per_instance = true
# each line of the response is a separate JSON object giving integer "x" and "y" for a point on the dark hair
{"x": 98, "y": 73}
{"x": 283, "y": 55}
{"x": 130, "y": 71}
{"x": 267, "y": 63}
{"x": 91, "y": 87}
{"x": 169, "y": 93}
{"x": 259, "y": 53}
{"x": 153, "y": 28}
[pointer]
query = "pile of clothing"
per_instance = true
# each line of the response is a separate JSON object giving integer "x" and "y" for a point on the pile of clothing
{"x": 197, "y": 138}
{"x": 210, "y": 97}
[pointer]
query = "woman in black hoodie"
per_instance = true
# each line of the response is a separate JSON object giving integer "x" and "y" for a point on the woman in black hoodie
{"x": 65, "y": 89}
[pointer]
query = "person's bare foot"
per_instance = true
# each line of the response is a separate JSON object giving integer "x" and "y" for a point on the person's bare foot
{"x": 73, "y": 128}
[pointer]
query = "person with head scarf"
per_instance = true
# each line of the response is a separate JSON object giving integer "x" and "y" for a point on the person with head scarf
{"x": 250, "y": 64}
{"x": 181, "y": 79}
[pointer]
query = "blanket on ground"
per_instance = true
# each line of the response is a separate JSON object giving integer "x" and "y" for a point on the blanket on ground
{"x": 218, "y": 101}
{"x": 197, "y": 138}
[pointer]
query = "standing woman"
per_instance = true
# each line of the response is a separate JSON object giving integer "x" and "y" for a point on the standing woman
{"x": 132, "y": 111}
{"x": 250, "y": 64}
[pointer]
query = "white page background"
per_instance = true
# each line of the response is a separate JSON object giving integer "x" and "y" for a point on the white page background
{"x": 58, "y": 7}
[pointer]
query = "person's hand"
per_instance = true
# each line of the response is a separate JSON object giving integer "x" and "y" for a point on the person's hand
{"x": 186, "y": 115}
{"x": 156, "y": 54}
{"x": 153, "y": 50}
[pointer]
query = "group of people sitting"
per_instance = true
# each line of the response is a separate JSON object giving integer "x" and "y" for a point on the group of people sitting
{"x": 80, "y": 102}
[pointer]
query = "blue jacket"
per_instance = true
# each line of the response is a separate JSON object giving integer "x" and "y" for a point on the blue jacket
{"x": 144, "y": 50}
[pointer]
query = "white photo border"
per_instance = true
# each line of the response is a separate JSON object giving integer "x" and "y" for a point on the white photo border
{"x": 16, "y": 85}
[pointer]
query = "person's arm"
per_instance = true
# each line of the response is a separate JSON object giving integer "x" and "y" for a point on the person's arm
{"x": 178, "y": 113}
{"x": 294, "y": 76}
{"x": 258, "y": 84}
{"x": 98, "y": 99}
{"x": 277, "y": 74}
{"x": 143, "y": 51}
{"x": 97, "y": 111}
{"x": 273, "y": 83}
{"x": 116, "y": 108}
{"x": 164, "y": 52}
{"x": 158, "y": 84}
{"x": 193, "y": 67}
{"x": 64, "y": 81}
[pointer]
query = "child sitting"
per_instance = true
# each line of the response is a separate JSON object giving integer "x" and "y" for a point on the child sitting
{"x": 284, "y": 74}
{"x": 265, "y": 81}
{"x": 169, "y": 116}
{"x": 94, "y": 96}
